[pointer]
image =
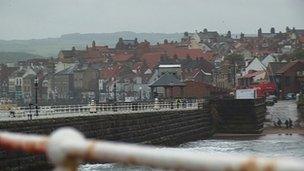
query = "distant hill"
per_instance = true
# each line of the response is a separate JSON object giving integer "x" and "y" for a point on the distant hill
{"x": 7, "y": 57}
{"x": 50, "y": 47}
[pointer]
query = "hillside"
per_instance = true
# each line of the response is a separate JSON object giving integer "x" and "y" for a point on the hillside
{"x": 51, "y": 46}
{"x": 6, "y": 57}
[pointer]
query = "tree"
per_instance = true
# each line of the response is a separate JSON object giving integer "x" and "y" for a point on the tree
{"x": 298, "y": 54}
{"x": 234, "y": 58}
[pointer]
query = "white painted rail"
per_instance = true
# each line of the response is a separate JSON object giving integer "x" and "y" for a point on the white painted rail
{"x": 24, "y": 113}
{"x": 67, "y": 148}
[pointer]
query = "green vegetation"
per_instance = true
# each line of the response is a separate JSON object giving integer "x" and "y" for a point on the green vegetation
{"x": 234, "y": 58}
{"x": 298, "y": 54}
{"x": 6, "y": 57}
{"x": 300, "y": 102}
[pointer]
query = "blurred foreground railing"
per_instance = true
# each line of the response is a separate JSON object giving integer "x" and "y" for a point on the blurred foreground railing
{"x": 80, "y": 110}
{"x": 66, "y": 149}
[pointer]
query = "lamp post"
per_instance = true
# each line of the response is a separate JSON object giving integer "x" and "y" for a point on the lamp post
{"x": 36, "y": 94}
{"x": 114, "y": 89}
{"x": 140, "y": 88}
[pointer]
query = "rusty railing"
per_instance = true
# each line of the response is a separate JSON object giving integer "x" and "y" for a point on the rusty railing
{"x": 66, "y": 148}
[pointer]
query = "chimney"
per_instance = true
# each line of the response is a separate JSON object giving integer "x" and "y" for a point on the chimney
{"x": 259, "y": 32}
{"x": 272, "y": 30}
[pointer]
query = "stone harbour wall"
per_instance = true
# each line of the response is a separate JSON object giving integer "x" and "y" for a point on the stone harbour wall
{"x": 169, "y": 128}
{"x": 239, "y": 116}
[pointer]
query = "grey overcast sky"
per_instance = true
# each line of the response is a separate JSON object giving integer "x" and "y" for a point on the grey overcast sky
{"x": 26, "y": 19}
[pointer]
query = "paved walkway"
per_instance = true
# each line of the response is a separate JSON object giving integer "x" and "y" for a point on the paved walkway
{"x": 5, "y": 116}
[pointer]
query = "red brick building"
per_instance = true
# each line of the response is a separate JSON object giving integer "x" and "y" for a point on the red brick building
{"x": 291, "y": 78}
{"x": 194, "y": 89}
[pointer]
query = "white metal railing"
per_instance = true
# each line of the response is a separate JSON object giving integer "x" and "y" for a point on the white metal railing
{"x": 66, "y": 148}
{"x": 79, "y": 110}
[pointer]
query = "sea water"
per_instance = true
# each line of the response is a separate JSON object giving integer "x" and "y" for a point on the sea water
{"x": 272, "y": 145}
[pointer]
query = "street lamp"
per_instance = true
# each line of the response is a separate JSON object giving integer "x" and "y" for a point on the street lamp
{"x": 114, "y": 89}
{"x": 114, "y": 108}
{"x": 36, "y": 94}
{"x": 140, "y": 88}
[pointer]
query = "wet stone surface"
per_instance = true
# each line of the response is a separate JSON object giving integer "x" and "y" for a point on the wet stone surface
{"x": 284, "y": 110}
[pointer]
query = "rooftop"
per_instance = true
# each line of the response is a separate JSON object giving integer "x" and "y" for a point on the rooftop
{"x": 167, "y": 80}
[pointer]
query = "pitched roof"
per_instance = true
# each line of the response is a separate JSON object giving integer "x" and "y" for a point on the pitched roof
{"x": 273, "y": 67}
{"x": 198, "y": 63}
{"x": 67, "y": 53}
{"x": 268, "y": 59}
{"x": 120, "y": 57}
{"x": 30, "y": 76}
{"x": 110, "y": 72}
{"x": 288, "y": 66}
{"x": 152, "y": 58}
{"x": 256, "y": 65}
{"x": 167, "y": 80}
{"x": 189, "y": 74}
{"x": 73, "y": 53}
{"x": 208, "y": 35}
{"x": 18, "y": 73}
{"x": 67, "y": 71}
{"x": 129, "y": 42}
{"x": 99, "y": 48}
{"x": 172, "y": 50}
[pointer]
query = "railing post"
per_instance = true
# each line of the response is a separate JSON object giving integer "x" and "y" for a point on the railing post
{"x": 58, "y": 150}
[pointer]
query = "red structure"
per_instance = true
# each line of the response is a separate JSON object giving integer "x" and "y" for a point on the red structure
{"x": 264, "y": 88}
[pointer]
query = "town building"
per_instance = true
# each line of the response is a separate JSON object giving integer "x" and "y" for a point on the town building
{"x": 70, "y": 56}
{"x": 5, "y": 72}
{"x": 86, "y": 82}
{"x": 126, "y": 44}
{"x": 290, "y": 78}
{"x": 62, "y": 85}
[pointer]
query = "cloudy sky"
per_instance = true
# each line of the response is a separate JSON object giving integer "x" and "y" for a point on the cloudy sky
{"x": 25, "y": 19}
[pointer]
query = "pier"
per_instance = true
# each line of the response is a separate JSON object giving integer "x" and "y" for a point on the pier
{"x": 154, "y": 123}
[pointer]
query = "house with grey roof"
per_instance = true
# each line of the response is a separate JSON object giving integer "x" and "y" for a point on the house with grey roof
{"x": 126, "y": 44}
{"x": 70, "y": 56}
{"x": 62, "y": 84}
{"x": 208, "y": 36}
{"x": 268, "y": 59}
{"x": 16, "y": 81}
{"x": 166, "y": 83}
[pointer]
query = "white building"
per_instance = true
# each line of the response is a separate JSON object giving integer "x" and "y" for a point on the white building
{"x": 268, "y": 59}
{"x": 255, "y": 65}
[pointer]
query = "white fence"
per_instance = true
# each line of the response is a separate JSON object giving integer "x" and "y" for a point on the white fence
{"x": 66, "y": 148}
{"x": 80, "y": 110}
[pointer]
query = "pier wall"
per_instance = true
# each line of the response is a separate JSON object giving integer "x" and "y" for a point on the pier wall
{"x": 168, "y": 128}
{"x": 239, "y": 116}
